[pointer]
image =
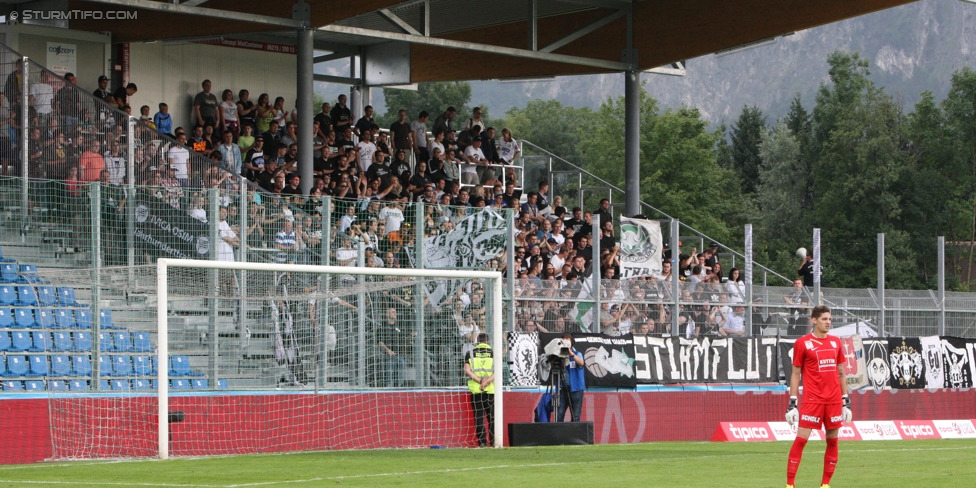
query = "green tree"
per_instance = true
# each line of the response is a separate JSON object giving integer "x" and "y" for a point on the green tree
{"x": 746, "y": 135}
{"x": 857, "y": 185}
{"x": 433, "y": 97}
{"x": 551, "y": 126}
{"x": 680, "y": 174}
{"x": 782, "y": 186}
{"x": 960, "y": 111}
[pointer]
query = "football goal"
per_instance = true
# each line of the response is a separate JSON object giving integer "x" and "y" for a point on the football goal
{"x": 237, "y": 358}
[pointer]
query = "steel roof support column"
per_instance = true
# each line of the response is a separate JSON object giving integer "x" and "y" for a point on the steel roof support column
{"x": 632, "y": 205}
{"x": 306, "y": 65}
{"x": 632, "y": 143}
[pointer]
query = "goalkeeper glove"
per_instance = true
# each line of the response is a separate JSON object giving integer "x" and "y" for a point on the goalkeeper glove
{"x": 792, "y": 414}
{"x": 848, "y": 415}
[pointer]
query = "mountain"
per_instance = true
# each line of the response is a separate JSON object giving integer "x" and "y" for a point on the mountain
{"x": 912, "y": 48}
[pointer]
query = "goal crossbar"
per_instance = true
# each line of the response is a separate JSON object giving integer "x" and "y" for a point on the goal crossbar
{"x": 162, "y": 325}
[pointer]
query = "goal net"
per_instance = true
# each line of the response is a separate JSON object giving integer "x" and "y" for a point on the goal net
{"x": 212, "y": 357}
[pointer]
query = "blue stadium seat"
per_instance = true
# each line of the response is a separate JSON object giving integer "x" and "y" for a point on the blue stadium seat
{"x": 23, "y": 317}
{"x": 81, "y": 365}
{"x": 60, "y": 365}
{"x": 141, "y": 384}
{"x": 28, "y": 274}
{"x": 77, "y": 385}
{"x": 121, "y": 341}
{"x": 16, "y": 366}
{"x": 104, "y": 385}
{"x": 105, "y": 366}
{"x": 43, "y": 318}
{"x": 105, "y": 341}
{"x": 46, "y": 296}
{"x": 122, "y": 365}
{"x": 34, "y": 385}
{"x": 26, "y": 296}
{"x": 6, "y": 318}
{"x": 38, "y": 366}
{"x": 61, "y": 341}
{"x": 57, "y": 385}
{"x": 105, "y": 319}
{"x": 200, "y": 384}
{"x": 142, "y": 366}
{"x": 141, "y": 342}
{"x": 13, "y": 385}
{"x": 180, "y": 366}
{"x": 8, "y": 295}
{"x": 66, "y": 297}
{"x": 20, "y": 340}
{"x": 64, "y": 318}
{"x": 179, "y": 384}
{"x": 222, "y": 384}
{"x": 40, "y": 340}
{"x": 120, "y": 385}
{"x": 4, "y": 340}
{"x": 8, "y": 272}
{"x": 83, "y": 319}
{"x": 83, "y": 341}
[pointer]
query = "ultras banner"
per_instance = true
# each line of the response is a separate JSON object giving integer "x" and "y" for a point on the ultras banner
{"x": 627, "y": 361}
{"x": 609, "y": 361}
{"x": 640, "y": 247}
{"x": 680, "y": 360}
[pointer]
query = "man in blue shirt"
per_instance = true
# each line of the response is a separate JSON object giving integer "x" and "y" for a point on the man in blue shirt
{"x": 574, "y": 383}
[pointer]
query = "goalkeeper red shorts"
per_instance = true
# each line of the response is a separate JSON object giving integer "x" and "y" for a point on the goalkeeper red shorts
{"x": 815, "y": 415}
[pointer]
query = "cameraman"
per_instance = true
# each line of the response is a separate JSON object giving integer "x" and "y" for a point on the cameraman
{"x": 574, "y": 383}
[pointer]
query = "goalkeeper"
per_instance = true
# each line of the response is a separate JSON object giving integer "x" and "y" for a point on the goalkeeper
{"x": 818, "y": 359}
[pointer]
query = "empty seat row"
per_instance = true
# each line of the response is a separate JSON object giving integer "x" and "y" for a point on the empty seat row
{"x": 112, "y": 385}
{"x": 58, "y": 318}
{"x": 26, "y": 295}
{"x": 79, "y": 341}
{"x": 80, "y": 365}
{"x": 10, "y": 272}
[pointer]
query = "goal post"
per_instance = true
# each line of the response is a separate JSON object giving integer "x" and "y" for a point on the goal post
{"x": 245, "y": 284}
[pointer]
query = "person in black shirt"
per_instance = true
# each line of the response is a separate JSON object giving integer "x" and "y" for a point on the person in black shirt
{"x": 324, "y": 120}
{"x": 401, "y": 167}
{"x": 122, "y": 95}
{"x": 400, "y": 131}
{"x": 341, "y": 115}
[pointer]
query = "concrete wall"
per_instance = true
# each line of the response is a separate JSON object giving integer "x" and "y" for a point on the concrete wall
{"x": 172, "y": 73}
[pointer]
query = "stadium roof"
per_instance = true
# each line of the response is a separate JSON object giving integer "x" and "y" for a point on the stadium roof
{"x": 463, "y": 40}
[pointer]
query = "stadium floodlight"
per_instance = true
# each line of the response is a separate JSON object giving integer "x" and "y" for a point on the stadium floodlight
{"x": 268, "y": 357}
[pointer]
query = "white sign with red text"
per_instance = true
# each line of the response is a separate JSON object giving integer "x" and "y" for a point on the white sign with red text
{"x": 868, "y": 430}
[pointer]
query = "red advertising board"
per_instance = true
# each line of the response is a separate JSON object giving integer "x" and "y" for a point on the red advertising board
{"x": 618, "y": 417}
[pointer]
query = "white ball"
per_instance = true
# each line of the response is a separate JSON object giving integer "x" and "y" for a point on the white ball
{"x": 801, "y": 252}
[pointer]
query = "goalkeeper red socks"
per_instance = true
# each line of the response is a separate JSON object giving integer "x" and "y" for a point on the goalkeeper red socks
{"x": 830, "y": 460}
{"x": 796, "y": 453}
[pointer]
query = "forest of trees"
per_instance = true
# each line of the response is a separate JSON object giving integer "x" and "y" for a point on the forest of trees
{"x": 854, "y": 163}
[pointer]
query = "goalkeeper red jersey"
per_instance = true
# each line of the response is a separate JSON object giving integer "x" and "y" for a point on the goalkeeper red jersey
{"x": 819, "y": 360}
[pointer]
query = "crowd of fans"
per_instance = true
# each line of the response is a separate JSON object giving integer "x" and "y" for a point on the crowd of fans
{"x": 373, "y": 177}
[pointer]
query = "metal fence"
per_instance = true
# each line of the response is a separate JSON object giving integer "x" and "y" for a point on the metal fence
{"x": 57, "y": 200}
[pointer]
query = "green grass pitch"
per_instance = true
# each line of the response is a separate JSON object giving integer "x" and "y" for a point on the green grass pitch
{"x": 862, "y": 464}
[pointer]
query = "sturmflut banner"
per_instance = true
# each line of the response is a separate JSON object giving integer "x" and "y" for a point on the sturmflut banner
{"x": 640, "y": 247}
{"x": 631, "y": 360}
{"x": 676, "y": 359}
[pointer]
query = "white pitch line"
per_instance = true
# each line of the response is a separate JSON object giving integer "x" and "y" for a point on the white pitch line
{"x": 269, "y": 483}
